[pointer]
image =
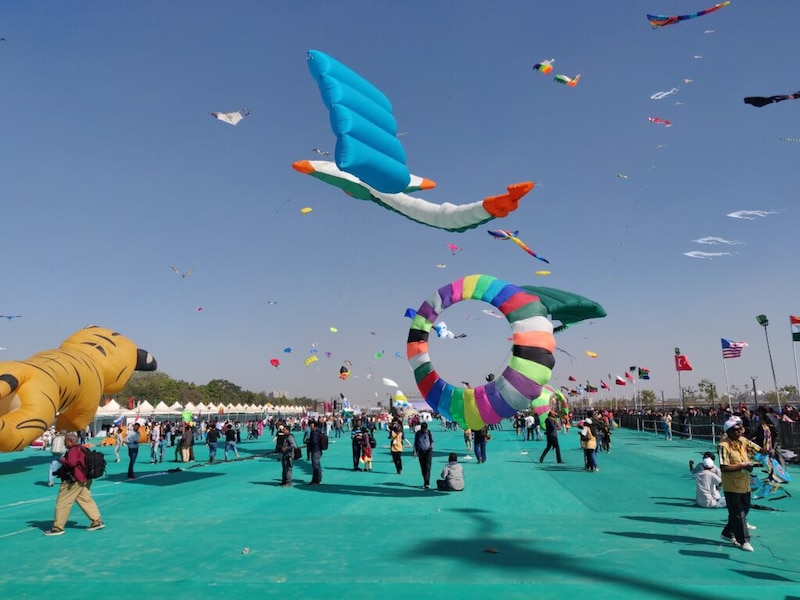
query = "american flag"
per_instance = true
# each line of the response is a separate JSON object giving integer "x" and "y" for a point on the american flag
{"x": 732, "y": 349}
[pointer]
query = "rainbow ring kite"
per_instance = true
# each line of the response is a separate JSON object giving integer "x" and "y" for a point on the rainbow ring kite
{"x": 528, "y": 370}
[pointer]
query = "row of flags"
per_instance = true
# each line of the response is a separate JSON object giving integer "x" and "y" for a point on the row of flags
{"x": 730, "y": 349}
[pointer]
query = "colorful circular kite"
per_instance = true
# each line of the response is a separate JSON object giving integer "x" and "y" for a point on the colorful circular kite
{"x": 528, "y": 370}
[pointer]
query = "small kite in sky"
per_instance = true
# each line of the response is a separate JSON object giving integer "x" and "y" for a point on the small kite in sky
{"x": 788, "y": 139}
{"x": 491, "y": 313}
{"x": 275, "y": 362}
{"x": 334, "y": 330}
{"x": 759, "y": 101}
{"x": 542, "y": 273}
{"x": 504, "y": 234}
{"x": 621, "y": 176}
{"x": 715, "y": 240}
{"x": 660, "y": 95}
{"x": 9, "y": 317}
{"x": 663, "y": 20}
{"x": 231, "y": 117}
{"x": 709, "y": 31}
{"x": 271, "y": 302}
{"x": 698, "y": 254}
{"x": 660, "y": 121}
{"x": 567, "y": 81}
{"x": 751, "y": 215}
{"x": 453, "y": 248}
{"x": 389, "y": 382}
{"x": 288, "y": 350}
{"x": 590, "y": 354}
{"x": 441, "y": 266}
{"x": 183, "y": 275}
{"x": 546, "y": 66}
{"x": 688, "y": 81}
{"x": 198, "y": 309}
{"x": 698, "y": 56}
{"x": 305, "y": 210}
{"x": 320, "y": 152}
{"x": 311, "y": 359}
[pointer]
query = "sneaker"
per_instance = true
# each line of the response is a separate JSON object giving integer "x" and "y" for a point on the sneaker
{"x": 747, "y": 547}
{"x": 96, "y": 525}
{"x": 54, "y": 531}
{"x": 732, "y": 540}
{"x": 751, "y": 527}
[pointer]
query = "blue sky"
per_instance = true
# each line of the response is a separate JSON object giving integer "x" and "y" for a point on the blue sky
{"x": 113, "y": 171}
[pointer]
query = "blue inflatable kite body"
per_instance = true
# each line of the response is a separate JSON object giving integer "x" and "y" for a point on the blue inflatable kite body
{"x": 366, "y": 131}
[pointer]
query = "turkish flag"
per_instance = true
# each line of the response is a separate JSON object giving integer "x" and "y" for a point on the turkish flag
{"x": 628, "y": 376}
{"x": 682, "y": 363}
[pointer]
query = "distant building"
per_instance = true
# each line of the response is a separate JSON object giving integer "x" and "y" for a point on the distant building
{"x": 278, "y": 394}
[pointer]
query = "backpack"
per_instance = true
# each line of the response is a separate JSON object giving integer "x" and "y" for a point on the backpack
{"x": 95, "y": 463}
{"x": 323, "y": 441}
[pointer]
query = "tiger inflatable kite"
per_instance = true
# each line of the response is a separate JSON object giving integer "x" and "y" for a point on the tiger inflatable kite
{"x": 65, "y": 385}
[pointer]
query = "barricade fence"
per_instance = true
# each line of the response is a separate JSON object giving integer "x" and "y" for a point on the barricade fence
{"x": 704, "y": 427}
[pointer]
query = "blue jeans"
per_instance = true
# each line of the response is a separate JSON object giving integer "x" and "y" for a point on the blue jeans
{"x": 316, "y": 467}
{"x": 287, "y": 462}
{"x": 480, "y": 451}
{"x": 212, "y": 451}
{"x": 231, "y": 446}
{"x": 55, "y": 465}
{"x": 132, "y": 454}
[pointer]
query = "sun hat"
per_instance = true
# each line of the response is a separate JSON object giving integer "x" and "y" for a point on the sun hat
{"x": 732, "y": 422}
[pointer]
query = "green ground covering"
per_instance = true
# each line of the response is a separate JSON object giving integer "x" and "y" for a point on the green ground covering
{"x": 630, "y": 530}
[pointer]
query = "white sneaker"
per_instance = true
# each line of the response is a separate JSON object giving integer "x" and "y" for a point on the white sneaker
{"x": 747, "y": 547}
{"x": 751, "y": 527}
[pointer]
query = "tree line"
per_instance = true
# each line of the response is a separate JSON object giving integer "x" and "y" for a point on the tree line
{"x": 160, "y": 387}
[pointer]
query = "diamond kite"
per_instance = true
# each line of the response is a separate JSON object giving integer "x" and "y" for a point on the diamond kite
{"x": 231, "y": 118}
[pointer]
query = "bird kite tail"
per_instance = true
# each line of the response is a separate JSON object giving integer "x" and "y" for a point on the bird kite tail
{"x": 503, "y": 204}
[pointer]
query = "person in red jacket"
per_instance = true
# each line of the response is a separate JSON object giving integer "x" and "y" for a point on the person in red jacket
{"x": 75, "y": 487}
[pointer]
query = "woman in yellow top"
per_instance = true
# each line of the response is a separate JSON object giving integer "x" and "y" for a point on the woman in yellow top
{"x": 589, "y": 445}
{"x": 397, "y": 438}
{"x": 735, "y": 453}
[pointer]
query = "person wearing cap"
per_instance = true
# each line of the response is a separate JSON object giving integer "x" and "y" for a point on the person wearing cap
{"x": 735, "y": 453}
{"x": 707, "y": 485}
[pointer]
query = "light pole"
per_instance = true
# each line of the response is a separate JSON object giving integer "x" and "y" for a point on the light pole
{"x": 763, "y": 321}
{"x": 755, "y": 393}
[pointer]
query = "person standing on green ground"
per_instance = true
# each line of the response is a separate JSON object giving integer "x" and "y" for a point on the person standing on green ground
{"x": 735, "y": 452}
{"x": 423, "y": 450}
{"x": 287, "y": 457}
{"x": 75, "y": 487}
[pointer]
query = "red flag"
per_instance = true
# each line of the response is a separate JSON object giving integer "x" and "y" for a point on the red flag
{"x": 682, "y": 363}
{"x": 604, "y": 385}
{"x": 619, "y": 380}
{"x": 571, "y": 378}
{"x": 130, "y": 403}
{"x": 629, "y": 377}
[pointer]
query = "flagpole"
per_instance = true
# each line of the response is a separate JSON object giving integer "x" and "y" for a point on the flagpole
{"x": 680, "y": 389}
{"x": 797, "y": 376}
{"x": 727, "y": 389}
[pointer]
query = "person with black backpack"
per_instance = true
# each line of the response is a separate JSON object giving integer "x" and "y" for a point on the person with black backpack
{"x": 75, "y": 487}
